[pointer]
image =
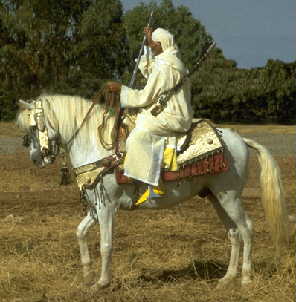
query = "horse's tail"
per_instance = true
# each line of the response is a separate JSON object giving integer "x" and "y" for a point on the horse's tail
{"x": 272, "y": 194}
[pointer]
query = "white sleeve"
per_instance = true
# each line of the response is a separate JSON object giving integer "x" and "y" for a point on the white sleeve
{"x": 134, "y": 98}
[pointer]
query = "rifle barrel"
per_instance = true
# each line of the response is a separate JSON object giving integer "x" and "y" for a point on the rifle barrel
{"x": 132, "y": 81}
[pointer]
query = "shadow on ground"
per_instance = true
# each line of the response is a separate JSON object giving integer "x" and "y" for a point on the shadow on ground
{"x": 204, "y": 270}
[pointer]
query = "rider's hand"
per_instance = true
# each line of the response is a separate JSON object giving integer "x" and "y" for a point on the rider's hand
{"x": 114, "y": 87}
{"x": 148, "y": 33}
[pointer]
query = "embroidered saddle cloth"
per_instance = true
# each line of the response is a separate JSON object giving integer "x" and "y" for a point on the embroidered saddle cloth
{"x": 198, "y": 152}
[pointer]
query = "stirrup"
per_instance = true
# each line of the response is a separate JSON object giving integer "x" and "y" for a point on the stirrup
{"x": 151, "y": 192}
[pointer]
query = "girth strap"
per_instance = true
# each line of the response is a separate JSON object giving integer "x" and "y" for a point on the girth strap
{"x": 105, "y": 162}
{"x": 88, "y": 176}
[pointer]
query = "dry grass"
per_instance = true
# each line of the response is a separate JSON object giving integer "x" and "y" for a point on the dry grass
{"x": 9, "y": 129}
{"x": 167, "y": 255}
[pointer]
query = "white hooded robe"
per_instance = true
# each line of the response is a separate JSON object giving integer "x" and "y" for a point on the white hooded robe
{"x": 145, "y": 144}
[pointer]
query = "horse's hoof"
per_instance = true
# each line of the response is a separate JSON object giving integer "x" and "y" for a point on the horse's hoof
{"x": 104, "y": 283}
{"x": 246, "y": 283}
{"x": 224, "y": 282}
{"x": 99, "y": 285}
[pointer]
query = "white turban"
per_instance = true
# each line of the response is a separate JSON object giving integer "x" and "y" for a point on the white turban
{"x": 170, "y": 49}
{"x": 165, "y": 38}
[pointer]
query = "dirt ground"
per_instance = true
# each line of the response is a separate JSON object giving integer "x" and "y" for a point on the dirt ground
{"x": 166, "y": 255}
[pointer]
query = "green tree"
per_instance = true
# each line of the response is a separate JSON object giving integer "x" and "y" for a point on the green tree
{"x": 58, "y": 46}
{"x": 101, "y": 48}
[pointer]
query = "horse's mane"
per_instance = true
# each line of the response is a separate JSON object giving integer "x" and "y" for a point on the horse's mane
{"x": 66, "y": 114}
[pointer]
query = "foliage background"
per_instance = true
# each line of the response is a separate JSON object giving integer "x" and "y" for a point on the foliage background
{"x": 73, "y": 46}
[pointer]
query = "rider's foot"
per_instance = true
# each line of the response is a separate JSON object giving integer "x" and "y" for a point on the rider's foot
{"x": 150, "y": 193}
{"x": 155, "y": 192}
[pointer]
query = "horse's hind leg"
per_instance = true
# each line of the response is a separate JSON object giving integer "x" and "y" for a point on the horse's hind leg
{"x": 233, "y": 236}
{"x": 230, "y": 210}
{"x": 82, "y": 230}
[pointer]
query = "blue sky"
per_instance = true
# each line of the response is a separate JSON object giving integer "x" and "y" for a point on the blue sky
{"x": 248, "y": 31}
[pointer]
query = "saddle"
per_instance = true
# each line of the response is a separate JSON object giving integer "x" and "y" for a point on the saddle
{"x": 200, "y": 151}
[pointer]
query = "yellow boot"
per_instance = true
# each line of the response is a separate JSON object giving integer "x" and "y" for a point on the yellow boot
{"x": 151, "y": 192}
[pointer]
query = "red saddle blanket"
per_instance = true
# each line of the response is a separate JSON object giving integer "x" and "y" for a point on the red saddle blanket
{"x": 210, "y": 165}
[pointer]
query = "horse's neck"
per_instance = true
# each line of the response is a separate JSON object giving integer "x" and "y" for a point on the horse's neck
{"x": 89, "y": 152}
{"x": 85, "y": 147}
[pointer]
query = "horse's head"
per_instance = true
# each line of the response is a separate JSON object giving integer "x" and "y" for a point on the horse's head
{"x": 41, "y": 138}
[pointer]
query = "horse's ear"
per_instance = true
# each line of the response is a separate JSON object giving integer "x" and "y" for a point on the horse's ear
{"x": 24, "y": 105}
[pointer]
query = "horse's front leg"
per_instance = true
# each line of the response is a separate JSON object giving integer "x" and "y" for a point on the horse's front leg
{"x": 106, "y": 220}
{"x": 82, "y": 230}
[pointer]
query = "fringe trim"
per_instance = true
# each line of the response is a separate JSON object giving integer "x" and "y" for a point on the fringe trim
{"x": 210, "y": 165}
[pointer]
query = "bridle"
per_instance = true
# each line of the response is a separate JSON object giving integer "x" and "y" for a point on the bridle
{"x": 49, "y": 147}
{"x": 38, "y": 133}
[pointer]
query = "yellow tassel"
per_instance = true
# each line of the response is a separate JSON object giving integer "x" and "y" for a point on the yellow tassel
{"x": 170, "y": 159}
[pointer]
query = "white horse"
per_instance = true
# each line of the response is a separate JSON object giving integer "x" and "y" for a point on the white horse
{"x": 63, "y": 115}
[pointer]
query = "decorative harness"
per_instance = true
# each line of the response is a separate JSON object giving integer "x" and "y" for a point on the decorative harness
{"x": 39, "y": 132}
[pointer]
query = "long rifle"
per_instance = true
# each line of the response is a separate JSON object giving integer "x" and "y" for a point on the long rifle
{"x": 132, "y": 81}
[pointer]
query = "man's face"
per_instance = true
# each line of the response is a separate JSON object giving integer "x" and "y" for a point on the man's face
{"x": 156, "y": 47}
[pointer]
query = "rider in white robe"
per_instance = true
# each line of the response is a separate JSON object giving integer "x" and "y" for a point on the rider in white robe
{"x": 145, "y": 144}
